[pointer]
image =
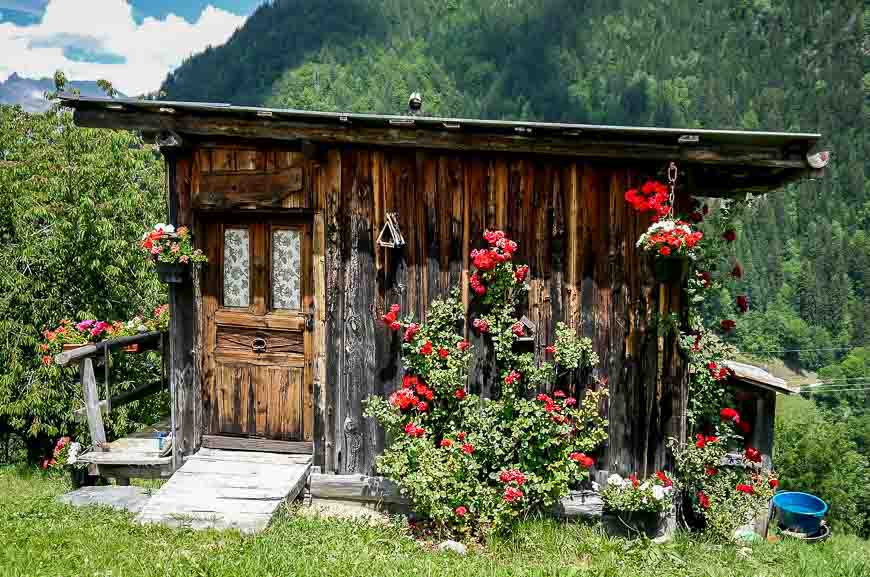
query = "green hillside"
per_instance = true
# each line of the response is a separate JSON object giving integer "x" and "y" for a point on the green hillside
{"x": 747, "y": 64}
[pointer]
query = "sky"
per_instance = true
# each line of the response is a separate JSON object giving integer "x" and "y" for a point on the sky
{"x": 131, "y": 43}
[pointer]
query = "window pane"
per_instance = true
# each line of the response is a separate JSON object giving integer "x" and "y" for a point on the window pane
{"x": 237, "y": 268}
{"x": 286, "y": 262}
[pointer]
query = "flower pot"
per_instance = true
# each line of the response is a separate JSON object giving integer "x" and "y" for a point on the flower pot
{"x": 172, "y": 272}
{"x": 634, "y": 523}
{"x": 671, "y": 269}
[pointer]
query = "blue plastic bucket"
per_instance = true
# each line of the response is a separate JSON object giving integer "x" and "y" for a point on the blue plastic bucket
{"x": 800, "y": 512}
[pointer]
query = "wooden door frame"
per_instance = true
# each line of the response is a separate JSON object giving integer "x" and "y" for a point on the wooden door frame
{"x": 310, "y": 305}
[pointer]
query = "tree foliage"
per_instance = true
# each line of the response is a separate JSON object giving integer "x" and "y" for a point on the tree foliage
{"x": 72, "y": 206}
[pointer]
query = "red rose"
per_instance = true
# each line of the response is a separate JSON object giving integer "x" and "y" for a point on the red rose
{"x": 753, "y": 455}
{"x": 443, "y": 353}
{"x": 582, "y": 460}
{"x": 521, "y": 272}
{"x": 481, "y": 325}
{"x": 395, "y": 325}
{"x": 703, "y": 500}
{"x": 446, "y": 443}
{"x": 426, "y": 349}
{"x": 468, "y": 448}
{"x": 463, "y": 345}
{"x": 700, "y": 443}
{"x": 742, "y": 303}
{"x": 413, "y": 430}
{"x": 665, "y": 250}
{"x": 477, "y": 286}
{"x": 459, "y": 394}
{"x": 460, "y": 511}
{"x": 744, "y": 488}
{"x": 727, "y": 325}
{"x": 412, "y": 330}
{"x": 460, "y": 436}
{"x": 422, "y": 406}
{"x": 518, "y": 329}
{"x": 710, "y": 471}
{"x": 774, "y": 483}
{"x": 730, "y": 235}
{"x": 551, "y": 350}
{"x": 729, "y": 414}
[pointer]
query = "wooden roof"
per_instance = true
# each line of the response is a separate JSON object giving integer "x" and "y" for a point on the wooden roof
{"x": 758, "y": 377}
{"x": 722, "y": 162}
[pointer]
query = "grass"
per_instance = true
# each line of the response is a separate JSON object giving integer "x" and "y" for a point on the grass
{"x": 39, "y": 536}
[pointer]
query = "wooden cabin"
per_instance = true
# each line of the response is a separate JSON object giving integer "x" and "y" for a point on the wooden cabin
{"x": 276, "y": 342}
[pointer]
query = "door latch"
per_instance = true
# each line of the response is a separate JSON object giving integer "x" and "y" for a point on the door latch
{"x": 258, "y": 345}
{"x": 309, "y": 317}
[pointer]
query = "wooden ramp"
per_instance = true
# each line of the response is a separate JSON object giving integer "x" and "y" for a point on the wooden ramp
{"x": 227, "y": 490}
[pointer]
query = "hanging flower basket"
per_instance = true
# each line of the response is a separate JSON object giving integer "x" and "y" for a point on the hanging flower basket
{"x": 172, "y": 272}
{"x": 172, "y": 251}
{"x": 671, "y": 269}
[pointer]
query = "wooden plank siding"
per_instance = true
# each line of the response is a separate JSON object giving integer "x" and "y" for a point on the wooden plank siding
{"x": 575, "y": 232}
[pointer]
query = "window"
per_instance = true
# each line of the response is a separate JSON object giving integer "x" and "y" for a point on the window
{"x": 237, "y": 268}
{"x": 286, "y": 269}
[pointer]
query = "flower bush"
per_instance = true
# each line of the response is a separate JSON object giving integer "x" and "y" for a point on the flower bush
{"x": 91, "y": 331}
{"x": 724, "y": 494}
{"x": 166, "y": 245}
{"x": 64, "y": 454}
{"x": 471, "y": 465}
{"x": 632, "y": 495}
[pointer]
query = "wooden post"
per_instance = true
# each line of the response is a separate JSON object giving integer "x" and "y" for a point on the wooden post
{"x": 92, "y": 403}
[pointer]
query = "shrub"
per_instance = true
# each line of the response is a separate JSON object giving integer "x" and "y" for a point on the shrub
{"x": 472, "y": 465}
{"x": 725, "y": 493}
{"x": 72, "y": 204}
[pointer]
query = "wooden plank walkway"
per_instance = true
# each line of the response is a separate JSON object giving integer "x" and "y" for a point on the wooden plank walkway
{"x": 227, "y": 490}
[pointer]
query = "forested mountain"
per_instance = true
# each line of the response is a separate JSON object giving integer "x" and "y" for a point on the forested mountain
{"x": 745, "y": 64}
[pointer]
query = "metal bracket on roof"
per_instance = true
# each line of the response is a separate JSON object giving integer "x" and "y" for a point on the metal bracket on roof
{"x": 689, "y": 139}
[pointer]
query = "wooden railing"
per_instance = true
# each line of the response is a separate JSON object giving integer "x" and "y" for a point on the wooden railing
{"x": 94, "y": 407}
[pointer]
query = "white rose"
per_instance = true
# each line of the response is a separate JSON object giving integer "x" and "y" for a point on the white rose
{"x": 615, "y": 479}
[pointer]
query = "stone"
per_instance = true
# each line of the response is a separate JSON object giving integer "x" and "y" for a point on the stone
{"x": 123, "y": 498}
{"x": 453, "y": 546}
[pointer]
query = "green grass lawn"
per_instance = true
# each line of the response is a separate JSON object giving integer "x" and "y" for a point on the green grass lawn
{"x": 38, "y": 536}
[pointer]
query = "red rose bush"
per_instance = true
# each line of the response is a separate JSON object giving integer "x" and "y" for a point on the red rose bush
{"x": 470, "y": 465}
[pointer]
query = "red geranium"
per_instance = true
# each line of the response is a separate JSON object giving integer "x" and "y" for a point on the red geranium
{"x": 710, "y": 471}
{"x": 512, "y": 476}
{"x": 518, "y": 329}
{"x": 443, "y": 353}
{"x": 493, "y": 236}
{"x": 727, "y": 325}
{"x": 730, "y": 235}
{"x": 521, "y": 272}
{"x": 404, "y": 399}
{"x": 460, "y": 436}
{"x": 570, "y": 402}
{"x": 703, "y": 500}
{"x": 744, "y": 488}
{"x": 512, "y": 377}
{"x": 742, "y": 303}
{"x": 774, "y": 483}
{"x": 413, "y": 430}
{"x": 700, "y": 443}
{"x": 476, "y": 285}
{"x": 463, "y": 345}
{"x": 663, "y": 477}
{"x": 481, "y": 325}
{"x": 460, "y": 511}
{"x": 468, "y": 448}
{"x": 484, "y": 259}
{"x": 422, "y": 406}
{"x": 550, "y": 350}
{"x": 410, "y": 331}
{"x": 635, "y": 482}
{"x": 512, "y": 494}
{"x": 651, "y": 197}
{"x": 446, "y": 443}
{"x": 729, "y": 414}
{"x": 459, "y": 394}
{"x": 426, "y": 349}
{"x": 753, "y": 455}
{"x": 744, "y": 427}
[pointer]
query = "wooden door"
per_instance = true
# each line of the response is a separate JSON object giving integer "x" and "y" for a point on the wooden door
{"x": 257, "y": 309}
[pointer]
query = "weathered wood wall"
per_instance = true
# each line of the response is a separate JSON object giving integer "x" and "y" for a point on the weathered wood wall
{"x": 574, "y": 230}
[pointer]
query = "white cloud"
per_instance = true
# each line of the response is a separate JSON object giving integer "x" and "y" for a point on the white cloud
{"x": 150, "y": 49}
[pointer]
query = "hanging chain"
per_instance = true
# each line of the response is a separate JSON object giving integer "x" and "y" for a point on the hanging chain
{"x": 672, "y": 182}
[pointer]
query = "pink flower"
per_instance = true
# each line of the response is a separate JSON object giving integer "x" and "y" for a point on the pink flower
{"x": 570, "y": 402}
{"x": 175, "y": 248}
{"x": 521, "y": 272}
{"x": 394, "y": 308}
{"x": 183, "y": 259}
{"x": 463, "y": 345}
{"x": 446, "y": 443}
{"x": 559, "y": 394}
{"x": 518, "y": 329}
{"x": 460, "y": 511}
{"x": 468, "y": 448}
{"x": 410, "y": 331}
{"x": 422, "y": 406}
{"x": 512, "y": 494}
{"x": 481, "y": 325}
{"x": 512, "y": 377}
{"x": 413, "y": 430}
